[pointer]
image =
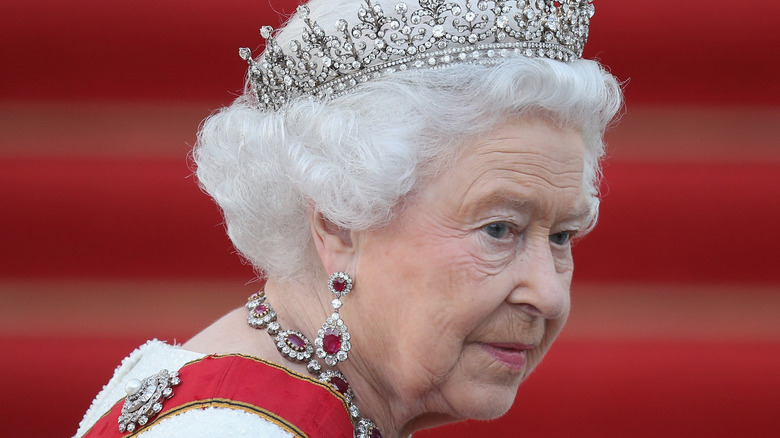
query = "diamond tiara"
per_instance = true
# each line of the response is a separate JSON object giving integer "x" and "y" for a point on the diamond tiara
{"x": 435, "y": 34}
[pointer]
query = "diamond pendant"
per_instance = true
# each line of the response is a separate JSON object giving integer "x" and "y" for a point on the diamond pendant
{"x": 332, "y": 341}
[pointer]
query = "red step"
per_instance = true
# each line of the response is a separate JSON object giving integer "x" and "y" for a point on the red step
{"x": 146, "y": 218}
{"x": 669, "y": 50}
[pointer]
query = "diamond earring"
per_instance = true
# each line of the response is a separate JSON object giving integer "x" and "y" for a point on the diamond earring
{"x": 332, "y": 342}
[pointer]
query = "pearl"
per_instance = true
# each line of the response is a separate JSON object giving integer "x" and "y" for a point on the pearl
{"x": 132, "y": 387}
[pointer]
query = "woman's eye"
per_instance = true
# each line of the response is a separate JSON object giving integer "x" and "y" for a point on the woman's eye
{"x": 561, "y": 239}
{"x": 497, "y": 230}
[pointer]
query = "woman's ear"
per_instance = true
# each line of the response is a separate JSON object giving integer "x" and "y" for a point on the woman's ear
{"x": 334, "y": 244}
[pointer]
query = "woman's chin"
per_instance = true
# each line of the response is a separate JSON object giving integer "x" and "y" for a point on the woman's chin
{"x": 486, "y": 404}
{"x": 492, "y": 410}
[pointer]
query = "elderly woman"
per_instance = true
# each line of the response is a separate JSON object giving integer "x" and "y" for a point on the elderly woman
{"x": 407, "y": 178}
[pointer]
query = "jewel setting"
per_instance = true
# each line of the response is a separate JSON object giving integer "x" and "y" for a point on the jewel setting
{"x": 338, "y": 382}
{"x": 260, "y": 314}
{"x": 339, "y": 284}
{"x": 367, "y": 429}
{"x": 296, "y": 347}
{"x": 332, "y": 341}
{"x": 145, "y": 399}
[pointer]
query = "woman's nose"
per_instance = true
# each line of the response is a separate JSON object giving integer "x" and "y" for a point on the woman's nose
{"x": 540, "y": 288}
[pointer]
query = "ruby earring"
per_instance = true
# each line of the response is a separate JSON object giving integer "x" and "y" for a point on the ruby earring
{"x": 332, "y": 342}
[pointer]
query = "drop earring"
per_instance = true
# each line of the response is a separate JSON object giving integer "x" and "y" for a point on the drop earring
{"x": 332, "y": 343}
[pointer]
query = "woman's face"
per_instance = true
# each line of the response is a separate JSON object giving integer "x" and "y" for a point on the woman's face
{"x": 458, "y": 300}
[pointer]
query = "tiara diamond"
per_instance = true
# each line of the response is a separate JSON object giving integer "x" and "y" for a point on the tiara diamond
{"x": 329, "y": 61}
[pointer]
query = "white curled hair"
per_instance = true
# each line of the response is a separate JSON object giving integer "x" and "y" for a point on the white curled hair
{"x": 354, "y": 158}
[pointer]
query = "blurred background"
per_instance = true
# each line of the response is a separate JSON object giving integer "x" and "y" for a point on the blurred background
{"x": 106, "y": 240}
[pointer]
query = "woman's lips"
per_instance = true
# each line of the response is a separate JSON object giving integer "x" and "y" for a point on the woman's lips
{"x": 511, "y": 355}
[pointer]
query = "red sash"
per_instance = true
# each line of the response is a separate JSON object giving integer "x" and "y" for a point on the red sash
{"x": 301, "y": 405}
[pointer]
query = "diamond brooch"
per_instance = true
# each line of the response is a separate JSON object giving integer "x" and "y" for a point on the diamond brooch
{"x": 145, "y": 399}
